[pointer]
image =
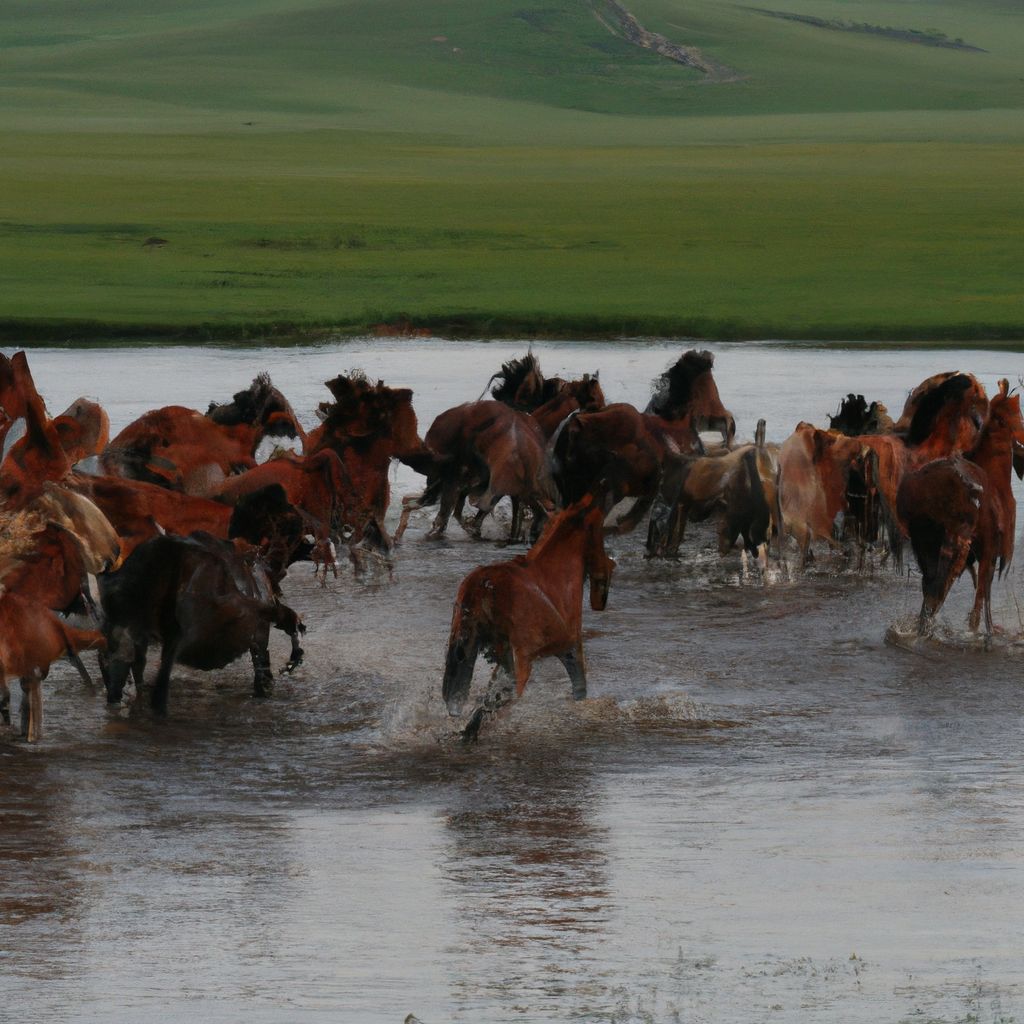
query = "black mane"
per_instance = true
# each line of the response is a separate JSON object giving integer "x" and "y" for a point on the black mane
{"x": 673, "y": 389}
{"x": 511, "y": 376}
{"x": 245, "y": 406}
{"x": 932, "y": 403}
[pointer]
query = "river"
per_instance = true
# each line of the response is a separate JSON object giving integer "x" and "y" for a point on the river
{"x": 763, "y": 812}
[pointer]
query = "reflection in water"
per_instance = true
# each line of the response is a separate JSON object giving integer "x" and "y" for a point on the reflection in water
{"x": 43, "y": 879}
{"x": 525, "y": 871}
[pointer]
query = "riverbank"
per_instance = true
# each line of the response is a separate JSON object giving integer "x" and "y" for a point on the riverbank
{"x": 80, "y": 334}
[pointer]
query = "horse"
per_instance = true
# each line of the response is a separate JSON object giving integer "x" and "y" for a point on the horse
{"x": 827, "y": 478}
{"x": 751, "y": 500}
{"x": 530, "y": 607}
{"x": 36, "y": 455}
{"x": 485, "y": 451}
{"x": 367, "y": 426}
{"x": 183, "y": 449}
{"x": 205, "y": 602}
{"x": 31, "y": 639}
{"x": 688, "y": 389}
{"x": 139, "y": 511}
{"x": 960, "y": 511}
{"x": 83, "y": 428}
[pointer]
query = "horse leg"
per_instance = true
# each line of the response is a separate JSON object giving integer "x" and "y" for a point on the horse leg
{"x": 32, "y": 707}
{"x": 168, "y": 652}
{"x": 515, "y": 534}
{"x": 409, "y": 505}
{"x": 634, "y": 515}
{"x": 81, "y": 669}
{"x": 576, "y": 666}
{"x": 983, "y": 596}
{"x": 263, "y": 676}
{"x": 5, "y": 699}
{"x": 523, "y": 666}
{"x": 449, "y": 497}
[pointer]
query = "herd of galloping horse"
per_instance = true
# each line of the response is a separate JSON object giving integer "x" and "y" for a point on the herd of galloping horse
{"x": 171, "y": 534}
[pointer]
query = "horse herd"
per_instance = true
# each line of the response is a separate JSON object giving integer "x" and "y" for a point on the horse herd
{"x": 170, "y": 533}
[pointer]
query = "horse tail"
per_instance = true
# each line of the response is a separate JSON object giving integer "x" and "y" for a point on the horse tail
{"x": 558, "y": 451}
{"x": 760, "y": 511}
{"x": 76, "y": 640}
{"x": 463, "y": 647}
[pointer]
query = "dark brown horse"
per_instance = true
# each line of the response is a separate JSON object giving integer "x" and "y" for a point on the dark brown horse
{"x": 688, "y": 389}
{"x": 485, "y": 451}
{"x": 623, "y": 453}
{"x": 530, "y": 607}
{"x": 186, "y": 450}
{"x": 961, "y": 511}
{"x": 203, "y": 600}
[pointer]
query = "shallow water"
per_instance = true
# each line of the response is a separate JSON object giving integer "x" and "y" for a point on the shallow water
{"x": 763, "y": 812}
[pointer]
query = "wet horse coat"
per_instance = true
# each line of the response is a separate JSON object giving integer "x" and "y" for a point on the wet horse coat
{"x": 960, "y": 511}
{"x": 532, "y": 606}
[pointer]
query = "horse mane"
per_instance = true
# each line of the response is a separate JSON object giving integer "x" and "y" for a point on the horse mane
{"x": 556, "y": 524}
{"x": 245, "y": 406}
{"x": 932, "y": 404}
{"x": 672, "y": 391}
{"x": 511, "y": 376}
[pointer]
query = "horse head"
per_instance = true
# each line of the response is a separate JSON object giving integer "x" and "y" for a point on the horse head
{"x": 1005, "y": 422}
{"x": 945, "y": 413}
{"x": 520, "y": 383}
{"x": 587, "y": 392}
{"x": 260, "y": 406}
{"x": 688, "y": 388}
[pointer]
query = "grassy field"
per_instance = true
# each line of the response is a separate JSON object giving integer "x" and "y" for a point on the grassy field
{"x": 508, "y": 167}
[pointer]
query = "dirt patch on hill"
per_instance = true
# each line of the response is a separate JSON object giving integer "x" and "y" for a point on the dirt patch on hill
{"x": 620, "y": 21}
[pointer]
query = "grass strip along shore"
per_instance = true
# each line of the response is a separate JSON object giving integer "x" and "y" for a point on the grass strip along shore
{"x": 556, "y": 180}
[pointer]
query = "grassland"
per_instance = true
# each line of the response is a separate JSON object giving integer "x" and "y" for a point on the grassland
{"x": 503, "y": 167}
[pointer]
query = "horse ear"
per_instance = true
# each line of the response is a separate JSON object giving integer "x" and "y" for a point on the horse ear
{"x": 1004, "y": 387}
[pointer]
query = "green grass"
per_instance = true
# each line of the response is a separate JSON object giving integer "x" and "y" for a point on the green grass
{"x": 335, "y": 165}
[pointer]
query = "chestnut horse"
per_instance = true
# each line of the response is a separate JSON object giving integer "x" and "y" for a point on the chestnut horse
{"x": 530, "y": 607}
{"x": 31, "y": 639}
{"x": 961, "y": 511}
{"x": 366, "y": 426}
{"x": 184, "y": 449}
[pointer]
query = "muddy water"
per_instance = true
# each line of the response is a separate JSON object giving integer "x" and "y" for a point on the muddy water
{"x": 763, "y": 812}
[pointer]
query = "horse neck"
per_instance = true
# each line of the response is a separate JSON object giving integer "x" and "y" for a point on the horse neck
{"x": 994, "y": 450}
{"x": 562, "y": 545}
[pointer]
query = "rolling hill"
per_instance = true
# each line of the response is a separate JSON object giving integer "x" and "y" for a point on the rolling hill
{"x": 824, "y": 167}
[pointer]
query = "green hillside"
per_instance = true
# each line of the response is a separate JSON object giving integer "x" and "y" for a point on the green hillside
{"x": 829, "y": 167}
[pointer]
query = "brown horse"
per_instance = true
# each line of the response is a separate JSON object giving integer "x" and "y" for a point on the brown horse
{"x": 688, "y": 389}
{"x": 485, "y": 451}
{"x": 833, "y": 486}
{"x": 960, "y": 511}
{"x": 583, "y": 395}
{"x": 184, "y": 449}
{"x": 366, "y": 426}
{"x": 31, "y": 639}
{"x": 530, "y": 607}
{"x": 37, "y": 455}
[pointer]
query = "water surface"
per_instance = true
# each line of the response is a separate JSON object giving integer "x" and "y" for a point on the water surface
{"x": 763, "y": 812}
